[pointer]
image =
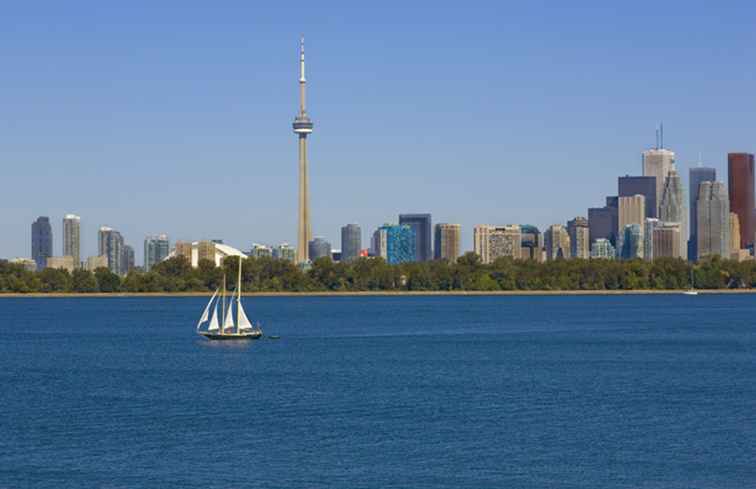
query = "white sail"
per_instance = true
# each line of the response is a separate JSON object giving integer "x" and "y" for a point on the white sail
{"x": 204, "y": 316}
{"x": 229, "y": 322}
{"x": 214, "y": 321}
{"x": 243, "y": 320}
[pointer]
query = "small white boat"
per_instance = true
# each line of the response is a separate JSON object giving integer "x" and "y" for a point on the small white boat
{"x": 692, "y": 290}
{"x": 230, "y": 326}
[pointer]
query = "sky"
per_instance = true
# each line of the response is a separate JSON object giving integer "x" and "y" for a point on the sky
{"x": 175, "y": 117}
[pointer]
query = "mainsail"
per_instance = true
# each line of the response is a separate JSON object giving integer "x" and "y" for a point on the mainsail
{"x": 204, "y": 316}
{"x": 214, "y": 322}
{"x": 244, "y": 322}
{"x": 229, "y": 321}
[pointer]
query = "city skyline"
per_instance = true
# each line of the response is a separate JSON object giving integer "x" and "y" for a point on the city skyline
{"x": 474, "y": 135}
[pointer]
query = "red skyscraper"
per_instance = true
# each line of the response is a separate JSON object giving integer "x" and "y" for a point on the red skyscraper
{"x": 740, "y": 181}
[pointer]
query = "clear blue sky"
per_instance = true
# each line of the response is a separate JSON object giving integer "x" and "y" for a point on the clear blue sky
{"x": 177, "y": 118}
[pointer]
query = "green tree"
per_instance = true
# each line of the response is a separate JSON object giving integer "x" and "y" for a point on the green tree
{"x": 55, "y": 280}
{"x": 83, "y": 281}
{"x": 107, "y": 281}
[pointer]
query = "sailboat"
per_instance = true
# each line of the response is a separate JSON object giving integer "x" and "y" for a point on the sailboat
{"x": 227, "y": 326}
{"x": 691, "y": 290}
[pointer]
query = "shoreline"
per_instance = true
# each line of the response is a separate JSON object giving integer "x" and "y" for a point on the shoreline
{"x": 430, "y": 293}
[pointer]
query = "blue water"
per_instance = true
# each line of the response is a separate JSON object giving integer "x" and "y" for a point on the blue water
{"x": 399, "y": 392}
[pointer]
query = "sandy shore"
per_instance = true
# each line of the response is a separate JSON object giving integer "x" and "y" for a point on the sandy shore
{"x": 390, "y": 294}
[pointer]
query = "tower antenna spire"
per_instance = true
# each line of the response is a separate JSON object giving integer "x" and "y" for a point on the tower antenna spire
{"x": 661, "y": 135}
{"x": 302, "y": 128}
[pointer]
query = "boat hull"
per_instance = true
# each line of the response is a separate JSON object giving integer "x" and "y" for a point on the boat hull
{"x": 252, "y": 335}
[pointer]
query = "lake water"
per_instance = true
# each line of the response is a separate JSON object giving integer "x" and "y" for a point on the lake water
{"x": 382, "y": 392}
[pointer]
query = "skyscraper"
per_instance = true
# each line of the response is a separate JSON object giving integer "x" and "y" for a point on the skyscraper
{"x": 72, "y": 238}
{"x": 648, "y": 237}
{"x": 127, "y": 261}
{"x": 395, "y": 244}
{"x": 602, "y": 221}
{"x": 531, "y": 243}
{"x": 303, "y": 127}
{"x": 351, "y": 242}
{"x": 421, "y": 223}
{"x": 579, "y": 238}
{"x": 319, "y": 248}
{"x": 696, "y": 176}
{"x": 42, "y": 241}
{"x": 156, "y": 249}
{"x": 632, "y": 210}
{"x": 632, "y": 242}
{"x": 713, "y": 220}
{"x": 656, "y": 163}
{"x": 667, "y": 240}
{"x": 734, "y": 234}
{"x": 672, "y": 207}
{"x": 557, "y": 242}
{"x": 110, "y": 244}
{"x": 446, "y": 241}
{"x": 645, "y": 186}
{"x": 740, "y": 183}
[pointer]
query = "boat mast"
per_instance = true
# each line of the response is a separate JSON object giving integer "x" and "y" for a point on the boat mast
{"x": 238, "y": 297}
{"x": 223, "y": 306}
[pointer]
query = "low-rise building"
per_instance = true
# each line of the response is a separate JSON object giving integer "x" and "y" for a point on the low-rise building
{"x": 61, "y": 263}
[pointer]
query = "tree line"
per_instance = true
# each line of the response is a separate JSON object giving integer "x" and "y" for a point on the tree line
{"x": 374, "y": 274}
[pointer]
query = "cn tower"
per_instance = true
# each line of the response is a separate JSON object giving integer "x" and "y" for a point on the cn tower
{"x": 302, "y": 127}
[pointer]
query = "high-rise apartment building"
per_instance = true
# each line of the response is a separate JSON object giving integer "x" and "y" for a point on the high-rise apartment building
{"x": 648, "y": 237}
{"x": 557, "y": 242}
{"x": 632, "y": 210}
{"x": 319, "y": 248}
{"x": 492, "y": 242}
{"x": 632, "y": 242}
{"x": 259, "y": 250}
{"x": 672, "y": 207}
{"x": 657, "y": 163}
{"x": 504, "y": 241}
{"x": 72, "y": 238}
{"x": 602, "y": 248}
{"x": 156, "y": 249}
{"x": 696, "y": 176}
{"x": 667, "y": 238}
{"x": 395, "y": 244}
{"x": 713, "y": 220}
{"x": 110, "y": 244}
{"x": 128, "y": 261}
{"x": 645, "y": 186}
{"x": 579, "y": 238}
{"x": 42, "y": 241}
{"x": 351, "y": 242}
{"x": 284, "y": 251}
{"x": 740, "y": 167}
{"x": 421, "y": 224}
{"x": 734, "y": 234}
{"x": 446, "y": 241}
